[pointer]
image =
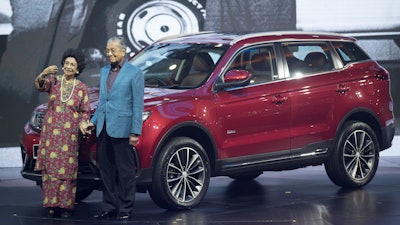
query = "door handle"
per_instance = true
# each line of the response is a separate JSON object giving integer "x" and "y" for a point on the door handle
{"x": 278, "y": 99}
{"x": 342, "y": 89}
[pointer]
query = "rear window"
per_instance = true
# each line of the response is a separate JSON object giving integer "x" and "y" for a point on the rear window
{"x": 350, "y": 52}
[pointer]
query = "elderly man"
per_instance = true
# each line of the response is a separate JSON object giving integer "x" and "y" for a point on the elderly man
{"x": 118, "y": 122}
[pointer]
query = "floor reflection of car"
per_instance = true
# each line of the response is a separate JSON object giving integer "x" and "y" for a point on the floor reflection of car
{"x": 237, "y": 105}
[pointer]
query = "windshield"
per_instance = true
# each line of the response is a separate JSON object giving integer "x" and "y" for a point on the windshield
{"x": 178, "y": 65}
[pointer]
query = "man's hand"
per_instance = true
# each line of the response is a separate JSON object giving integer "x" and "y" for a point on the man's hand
{"x": 133, "y": 139}
{"x": 86, "y": 127}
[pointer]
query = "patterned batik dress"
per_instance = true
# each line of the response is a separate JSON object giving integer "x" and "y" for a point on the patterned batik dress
{"x": 58, "y": 147}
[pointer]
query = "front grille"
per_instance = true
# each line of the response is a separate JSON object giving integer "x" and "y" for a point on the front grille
{"x": 35, "y": 148}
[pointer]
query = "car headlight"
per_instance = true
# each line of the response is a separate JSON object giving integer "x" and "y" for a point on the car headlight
{"x": 145, "y": 115}
{"x": 36, "y": 120}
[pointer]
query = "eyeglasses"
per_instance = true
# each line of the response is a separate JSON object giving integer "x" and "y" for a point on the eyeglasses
{"x": 113, "y": 51}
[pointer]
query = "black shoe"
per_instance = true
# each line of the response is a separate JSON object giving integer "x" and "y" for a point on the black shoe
{"x": 105, "y": 215}
{"x": 52, "y": 212}
{"x": 65, "y": 213}
{"x": 124, "y": 216}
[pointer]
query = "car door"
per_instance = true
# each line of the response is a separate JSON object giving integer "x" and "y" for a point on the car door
{"x": 254, "y": 121}
{"x": 314, "y": 95}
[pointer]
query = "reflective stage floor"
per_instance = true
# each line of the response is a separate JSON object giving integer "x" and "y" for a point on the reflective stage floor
{"x": 298, "y": 197}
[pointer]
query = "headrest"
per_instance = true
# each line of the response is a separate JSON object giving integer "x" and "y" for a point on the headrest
{"x": 313, "y": 58}
{"x": 202, "y": 62}
{"x": 260, "y": 62}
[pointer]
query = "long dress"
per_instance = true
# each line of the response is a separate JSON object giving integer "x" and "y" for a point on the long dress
{"x": 58, "y": 146}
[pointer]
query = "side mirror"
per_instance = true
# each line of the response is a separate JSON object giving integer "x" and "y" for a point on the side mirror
{"x": 234, "y": 78}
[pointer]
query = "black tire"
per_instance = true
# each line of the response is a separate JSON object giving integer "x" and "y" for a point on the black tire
{"x": 142, "y": 22}
{"x": 181, "y": 175}
{"x": 354, "y": 161}
{"x": 246, "y": 176}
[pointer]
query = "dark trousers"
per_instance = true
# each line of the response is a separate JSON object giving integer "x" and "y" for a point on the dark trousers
{"x": 117, "y": 169}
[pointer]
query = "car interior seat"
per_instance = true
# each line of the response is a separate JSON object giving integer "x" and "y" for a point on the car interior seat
{"x": 316, "y": 61}
{"x": 261, "y": 68}
{"x": 202, "y": 66}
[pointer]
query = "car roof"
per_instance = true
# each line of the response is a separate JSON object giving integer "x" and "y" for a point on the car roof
{"x": 230, "y": 39}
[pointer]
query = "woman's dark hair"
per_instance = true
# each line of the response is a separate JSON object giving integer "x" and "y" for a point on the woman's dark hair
{"x": 78, "y": 56}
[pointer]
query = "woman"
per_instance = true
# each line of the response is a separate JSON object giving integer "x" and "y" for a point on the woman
{"x": 68, "y": 106}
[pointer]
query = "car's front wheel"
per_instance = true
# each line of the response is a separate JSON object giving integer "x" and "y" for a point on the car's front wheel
{"x": 354, "y": 161}
{"x": 181, "y": 175}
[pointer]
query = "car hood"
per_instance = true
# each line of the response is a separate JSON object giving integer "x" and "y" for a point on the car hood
{"x": 157, "y": 96}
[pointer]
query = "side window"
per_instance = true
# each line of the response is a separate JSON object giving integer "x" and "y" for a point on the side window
{"x": 350, "y": 52}
{"x": 259, "y": 61}
{"x": 307, "y": 58}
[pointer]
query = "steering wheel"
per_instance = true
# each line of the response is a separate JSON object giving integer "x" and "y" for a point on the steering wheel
{"x": 158, "y": 81}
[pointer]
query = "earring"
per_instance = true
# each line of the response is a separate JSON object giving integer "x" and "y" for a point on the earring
{"x": 77, "y": 72}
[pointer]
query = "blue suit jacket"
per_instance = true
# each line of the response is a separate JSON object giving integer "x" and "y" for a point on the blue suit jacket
{"x": 121, "y": 109}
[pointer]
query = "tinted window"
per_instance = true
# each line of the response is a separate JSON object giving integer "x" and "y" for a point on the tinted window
{"x": 178, "y": 65}
{"x": 350, "y": 52}
{"x": 259, "y": 61}
{"x": 307, "y": 58}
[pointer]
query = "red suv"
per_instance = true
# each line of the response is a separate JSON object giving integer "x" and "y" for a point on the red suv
{"x": 238, "y": 105}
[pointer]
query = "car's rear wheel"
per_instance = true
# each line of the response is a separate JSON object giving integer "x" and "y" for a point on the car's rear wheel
{"x": 181, "y": 175}
{"x": 354, "y": 161}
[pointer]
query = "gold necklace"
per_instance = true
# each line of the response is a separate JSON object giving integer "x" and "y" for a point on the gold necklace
{"x": 61, "y": 90}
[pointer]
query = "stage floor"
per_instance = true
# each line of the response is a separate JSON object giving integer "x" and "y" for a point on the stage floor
{"x": 298, "y": 197}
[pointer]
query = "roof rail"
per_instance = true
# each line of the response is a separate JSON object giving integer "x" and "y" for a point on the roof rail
{"x": 183, "y": 35}
{"x": 280, "y": 33}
